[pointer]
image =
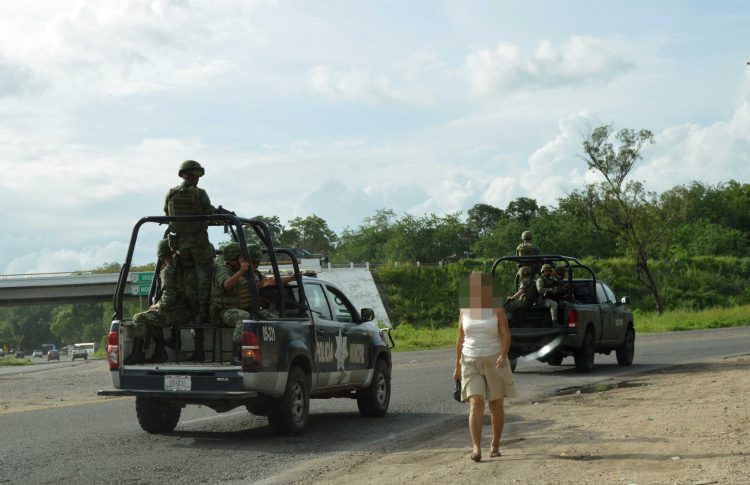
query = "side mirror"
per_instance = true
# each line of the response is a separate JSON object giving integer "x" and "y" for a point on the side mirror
{"x": 366, "y": 315}
{"x": 625, "y": 300}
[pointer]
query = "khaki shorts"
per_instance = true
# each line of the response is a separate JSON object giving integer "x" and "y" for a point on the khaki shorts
{"x": 480, "y": 376}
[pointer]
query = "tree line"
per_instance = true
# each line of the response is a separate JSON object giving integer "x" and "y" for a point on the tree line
{"x": 613, "y": 219}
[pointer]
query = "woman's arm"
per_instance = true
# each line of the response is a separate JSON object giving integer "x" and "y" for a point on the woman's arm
{"x": 502, "y": 327}
{"x": 459, "y": 349}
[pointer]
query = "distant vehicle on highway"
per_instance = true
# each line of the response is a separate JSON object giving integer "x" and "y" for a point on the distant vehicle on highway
{"x": 53, "y": 355}
{"x": 37, "y": 353}
{"x": 79, "y": 353}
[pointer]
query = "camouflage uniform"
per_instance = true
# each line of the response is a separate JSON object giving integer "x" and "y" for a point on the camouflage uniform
{"x": 528, "y": 297}
{"x": 191, "y": 242}
{"x": 527, "y": 248}
{"x": 232, "y": 306}
{"x": 543, "y": 285}
{"x": 561, "y": 283}
{"x": 172, "y": 309}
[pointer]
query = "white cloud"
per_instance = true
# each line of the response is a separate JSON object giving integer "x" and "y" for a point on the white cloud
{"x": 354, "y": 85}
{"x": 578, "y": 61}
{"x": 52, "y": 261}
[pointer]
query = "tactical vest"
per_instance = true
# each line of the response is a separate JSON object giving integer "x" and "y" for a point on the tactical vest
{"x": 237, "y": 297}
{"x": 529, "y": 292}
{"x": 185, "y": 201}
{"x": 525, "y": 249}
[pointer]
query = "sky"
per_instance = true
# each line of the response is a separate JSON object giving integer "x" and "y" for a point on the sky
{"x": 341, "y": 108}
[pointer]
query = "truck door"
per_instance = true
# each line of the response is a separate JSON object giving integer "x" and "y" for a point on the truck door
{"x": 607, "y": 307}
{"x": 618, "y": 322}
{"x": 328, "y": 339}
{"x": 355, "y": 337}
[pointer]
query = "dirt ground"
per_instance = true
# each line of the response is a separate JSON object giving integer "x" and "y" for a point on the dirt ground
{"x": 683, "y": 426}
{"x": 689, "y": 425}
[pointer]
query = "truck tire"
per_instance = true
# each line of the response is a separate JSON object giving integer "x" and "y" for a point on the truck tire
{"x": 288, "y": 414}
{"x": 156, "y": 415}
{"x": 373, "y": 401}
{"x": 625, "y": 353}
{"x": 584, "y": 357}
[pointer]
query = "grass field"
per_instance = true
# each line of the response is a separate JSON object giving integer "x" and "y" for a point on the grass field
{"x": 8, "y": 360}
{"x": 409, "y": 337}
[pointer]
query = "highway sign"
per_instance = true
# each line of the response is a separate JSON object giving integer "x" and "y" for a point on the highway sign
{"x": 141, "y": 277}
{"x": 140, "y": 289}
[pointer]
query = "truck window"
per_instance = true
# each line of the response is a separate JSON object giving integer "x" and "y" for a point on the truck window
{"x": 610, "y": 293}
{"x": 341, "y": 306}
{"x": 601, "y": 295}
{"x": 316, "y": 299}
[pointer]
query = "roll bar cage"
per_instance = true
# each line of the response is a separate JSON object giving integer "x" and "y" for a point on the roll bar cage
{"x": 569, "y": 261}
{"x": 233, "y": 224}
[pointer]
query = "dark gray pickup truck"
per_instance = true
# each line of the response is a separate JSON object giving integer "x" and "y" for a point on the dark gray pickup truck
{"x": 590, "y": 319}
{"x": 319, "y": 347}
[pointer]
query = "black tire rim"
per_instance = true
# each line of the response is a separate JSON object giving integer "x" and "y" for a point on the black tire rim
{"x": 298, "y": 402}
{"x": 381, "y": 391}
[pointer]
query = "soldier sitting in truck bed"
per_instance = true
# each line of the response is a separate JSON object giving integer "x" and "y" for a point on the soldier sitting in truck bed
{"x": 526, "y": 295}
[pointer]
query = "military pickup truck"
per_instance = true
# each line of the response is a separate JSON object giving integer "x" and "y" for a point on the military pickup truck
{"x": 590, "y": 319}
{"x": 320, "y": 346}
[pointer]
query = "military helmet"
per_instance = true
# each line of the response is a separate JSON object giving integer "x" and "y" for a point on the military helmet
{"x": 546, "y": 267}
{"x": 163, "y": 249}
{"x": 191, "y": 166}
{"x": 231, "y": 251}
{"x": 254, "y": 252}
{"x": 526, "y": 236}
{"x": 524, "y": 271}
{"x": 561, "y": 269}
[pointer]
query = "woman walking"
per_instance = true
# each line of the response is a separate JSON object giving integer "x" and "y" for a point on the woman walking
{"x": 482, "y": 360}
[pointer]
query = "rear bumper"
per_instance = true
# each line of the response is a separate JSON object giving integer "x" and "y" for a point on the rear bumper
{"x": 525, "y": 341}
{"x": 178, "y": 395}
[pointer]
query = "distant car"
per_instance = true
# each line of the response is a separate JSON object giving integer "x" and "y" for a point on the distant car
{"x": 20, "y": 354}
{"x": 79, "y": 354}
{"x": 53, "y": 355}
{"x": 2, "y": 354}
{"x": 37, "y": 353}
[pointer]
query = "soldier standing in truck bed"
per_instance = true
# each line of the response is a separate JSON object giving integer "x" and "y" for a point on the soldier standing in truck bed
{"x": 190, "y": 239}
{"x": 528, "y": 248}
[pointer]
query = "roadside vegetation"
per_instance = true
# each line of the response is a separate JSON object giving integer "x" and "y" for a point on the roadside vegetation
{"x": 8, "y": 360}
{"x": 680, "y": 256}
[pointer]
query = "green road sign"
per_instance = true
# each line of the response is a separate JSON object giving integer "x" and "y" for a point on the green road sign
{"x": 140, "y": 289}
{"x": 137, "y": 277}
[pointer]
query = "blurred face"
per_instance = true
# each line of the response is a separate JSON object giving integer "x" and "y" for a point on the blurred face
{"x": 481, "y": 291}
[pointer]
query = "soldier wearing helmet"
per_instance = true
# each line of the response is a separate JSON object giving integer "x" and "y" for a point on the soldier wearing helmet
{"x": 190, "y": 239}
{"x": 528, "y": 248}
{"x": 230, "y": 291}
{"x": 526, "y": 294}
{"x": 562, "y": 284}
{"x": 170, "y": 310}
{"x": 547, "y": 290}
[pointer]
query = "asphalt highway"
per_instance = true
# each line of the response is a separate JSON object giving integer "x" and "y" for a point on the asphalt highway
{"x": 102, "y": 442}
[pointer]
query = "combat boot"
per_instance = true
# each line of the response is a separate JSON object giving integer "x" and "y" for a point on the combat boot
{"x": 160, "y": 354}
{"x": 236, "y": 358}
{"x": 137, "y": 356}
{"x": 198, "y": 354}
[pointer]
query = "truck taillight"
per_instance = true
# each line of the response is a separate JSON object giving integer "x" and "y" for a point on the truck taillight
{"x": 572, "y": 318}
{"x": 250, "y": 349}
{"x": 113, "y": 350}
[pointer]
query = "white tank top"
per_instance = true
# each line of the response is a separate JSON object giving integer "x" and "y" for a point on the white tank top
{"x": 481, "y": 335}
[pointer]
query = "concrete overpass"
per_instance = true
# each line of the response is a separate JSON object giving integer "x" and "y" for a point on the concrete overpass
{"x": 57, "y": 288}
{"x": 60, "y": 288}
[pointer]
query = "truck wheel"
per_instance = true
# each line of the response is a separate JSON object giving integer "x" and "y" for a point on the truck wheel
{"x": 156, "y": 415}
{"x": 287, "y": 414}
{"x": 584, "y": 358}
{"x": 513, "y": 363}
{"x": 626, "y": 352}
{"x": 373, "y": 401}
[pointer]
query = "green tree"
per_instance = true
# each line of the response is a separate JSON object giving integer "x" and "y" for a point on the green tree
{"x": 311, "y": 233}
{"x": 622, "y": 208}
{"x": 482, "y": 219}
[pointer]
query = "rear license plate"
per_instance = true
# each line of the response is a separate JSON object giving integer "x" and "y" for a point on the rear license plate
{"x": 177, "y": 383}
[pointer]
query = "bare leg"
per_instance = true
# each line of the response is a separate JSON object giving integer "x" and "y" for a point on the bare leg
{"x": 476, "y": 420}
{"x": 498, "y": 421}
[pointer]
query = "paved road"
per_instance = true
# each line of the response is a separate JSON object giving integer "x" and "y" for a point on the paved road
{"x": 102, "y": 441}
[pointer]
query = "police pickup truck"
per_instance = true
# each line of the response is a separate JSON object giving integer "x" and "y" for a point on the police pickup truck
{"x": 590, "y": 319}
{"x": 320, "y": 346}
